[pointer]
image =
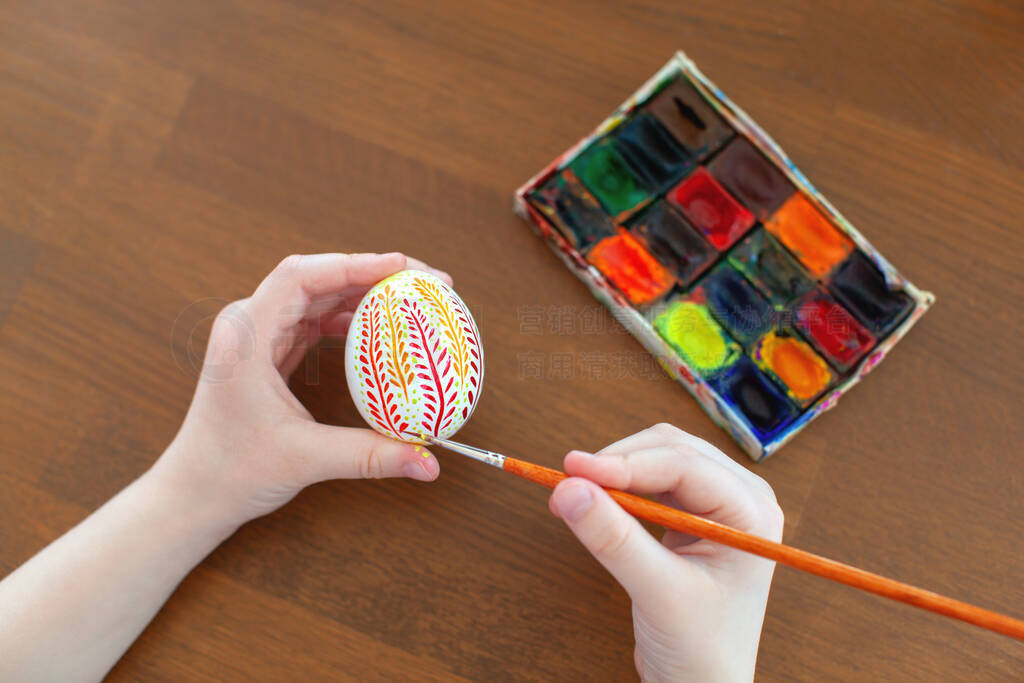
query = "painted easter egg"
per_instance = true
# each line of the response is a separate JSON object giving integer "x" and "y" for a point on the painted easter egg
{"x": 413, "y": 358}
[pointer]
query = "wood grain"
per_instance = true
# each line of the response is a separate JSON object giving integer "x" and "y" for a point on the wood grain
{"x": 693, "y": 525}
{"x": 158, "y": 158}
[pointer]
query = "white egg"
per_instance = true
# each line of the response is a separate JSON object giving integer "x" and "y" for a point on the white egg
{"x": 413, "y": 358}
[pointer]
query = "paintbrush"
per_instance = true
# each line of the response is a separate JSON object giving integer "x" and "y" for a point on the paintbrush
{"x": 671, "y": 518}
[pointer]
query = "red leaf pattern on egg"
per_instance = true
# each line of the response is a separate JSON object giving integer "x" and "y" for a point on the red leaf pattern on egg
{"x": 418, "y": 357}
{"x": 379, "y": 397}
{"x": 474, "y": 347}
{"x": 456, "y": 340}
{"x": 434, "y": 366}
{"x": 399, "y": 366}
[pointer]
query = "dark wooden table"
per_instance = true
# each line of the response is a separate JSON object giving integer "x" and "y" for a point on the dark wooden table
{"x": 158, "y": 158}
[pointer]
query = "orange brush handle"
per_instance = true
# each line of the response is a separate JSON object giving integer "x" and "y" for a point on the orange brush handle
{"x": 671, "y": 518}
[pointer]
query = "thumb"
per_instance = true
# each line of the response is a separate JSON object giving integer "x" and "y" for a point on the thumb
{"x": 637, "y": 561}
{"x": 350, "y": 453}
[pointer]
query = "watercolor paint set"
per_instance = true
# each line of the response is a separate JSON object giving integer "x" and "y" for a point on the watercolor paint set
{"x": 688, "y": 221}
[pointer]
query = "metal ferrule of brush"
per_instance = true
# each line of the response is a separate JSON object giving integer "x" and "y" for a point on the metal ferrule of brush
{"x": 488, "y": 457}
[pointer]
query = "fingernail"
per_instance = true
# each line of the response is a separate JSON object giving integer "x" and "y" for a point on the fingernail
{"x": 573, "y": 501}
{"x": 415, "y": 470}
{"x": 440, "y": 273}
{"x": 584, "y": 454}
{"x": 391, "y": 253}
{"x": 430, "y": 465}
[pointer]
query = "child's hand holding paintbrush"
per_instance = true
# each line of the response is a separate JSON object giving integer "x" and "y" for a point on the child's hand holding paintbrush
{"x": 697, "y": 605}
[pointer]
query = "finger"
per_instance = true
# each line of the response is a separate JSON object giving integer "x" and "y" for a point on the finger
{"x": 352, "y": 295}
{"x": 349, "y": 298}
{"x": 284, "y": 296}
{"x": 345, "y": 300}
{"x": 416, "y": 264}
{"x": 329, "y": 452}
{"x": 664, "y": 434}
{"x": 336, "y": 324}
{"x": 698, "y": 483}
{"x": 637, "y": 561}
{"x": 654, "y": 435}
